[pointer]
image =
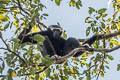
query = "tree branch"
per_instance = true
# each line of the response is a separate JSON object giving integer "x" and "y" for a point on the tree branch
{"x": 12, "y": 51}
{"x": 106, "y": 50}
{"x": 46, "y": 67}
{"x": 2, "y": 75}
{"x": 18, "y": 2}
{"x": 60, "y": 60}
{"x": 20, "y": 7}
{"x": 103, "y": 36}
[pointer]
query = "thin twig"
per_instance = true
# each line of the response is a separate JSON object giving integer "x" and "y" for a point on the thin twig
{"x": 46, "y": 67}
{"x": 18, "y": 2}
{"x": 41, "y": 24}
{"x": 29, "y": 14}
{"x": 10, "y": 7}
{"x": 11, "y": 50}
{"x": 103, "y": 59}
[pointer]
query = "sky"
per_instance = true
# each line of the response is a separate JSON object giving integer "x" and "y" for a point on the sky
{"x": 73, "y": 21}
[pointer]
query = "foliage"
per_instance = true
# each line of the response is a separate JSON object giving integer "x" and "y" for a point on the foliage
{"x": 25, "y": 60}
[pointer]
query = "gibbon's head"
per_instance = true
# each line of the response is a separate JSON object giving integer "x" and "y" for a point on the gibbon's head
{"x": 57, "y": 30}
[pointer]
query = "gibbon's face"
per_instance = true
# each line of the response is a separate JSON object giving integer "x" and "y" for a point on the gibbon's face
{"x": 57, "y": 30}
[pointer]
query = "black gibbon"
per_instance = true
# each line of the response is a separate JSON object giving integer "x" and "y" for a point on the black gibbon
{"x": 60, "y": 46}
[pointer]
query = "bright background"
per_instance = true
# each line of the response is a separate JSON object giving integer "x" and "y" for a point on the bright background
{"x": 73, "y": 21}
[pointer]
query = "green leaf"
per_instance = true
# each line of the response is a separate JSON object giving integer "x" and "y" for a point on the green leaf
{"x": 102, "y": 10}
{"x": 88, "y": 31}
{"x": 106, "y": 62}
{"x": 88, "y": 76}
{"x": 104, "y": 15}
{"x": 48, "y": 71}
{"x": 15, "y": 46}
{"x": 0, "y": 34}
{"x": 11, "y": 25}
{"x": 109, "y": 19}
{"x": 4, "y": 18}
{"x": 4, "y": 1}
{"x": 2, "y": 5}
{"x": 78, "y": 4}
{"x": 37, "y": 55}
{"x": 47, "y": 61}
{"x": 103, "y": 25}
{"x": 45, "y": 14}
{"x": 35, "y": 14}
{"x": 10, "y": 74}
{"x": 115, "y": 14}
{"x": 118, "y": 67}
{"x": 111, "y": 45}
{"x": 84, "y": 58}
{"x": 23, "y": 45}
{"x": 110, "y": 57}
{"x": 3, "y": 11}
{"x": 64, "y": 35}
{"x": 57, "y": 2}
{"x": 91, "y": 10}
{"x": 39, "y": 48}
{"x": 2, "y": 65}
{"x": 72, "y": 3}
{"x": 96, "y": 29}
{"x": 102, "y": 74}
{"x": 107, "y": 67}
{"x": 16, "y": 40}
{"x": 88, "y": 20}
{"x": 38, "y": 38}
{"x": 6, "y": 25}
{"x": 93, "y": 24}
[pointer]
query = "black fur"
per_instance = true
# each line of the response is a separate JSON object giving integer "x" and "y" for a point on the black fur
{"x": 61, "y": 46}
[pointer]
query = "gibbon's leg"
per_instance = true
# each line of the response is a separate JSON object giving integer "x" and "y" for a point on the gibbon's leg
{"x": 88, "y": 43}
{"x": 48, "y": 48}
{"x": 70, "y": 44}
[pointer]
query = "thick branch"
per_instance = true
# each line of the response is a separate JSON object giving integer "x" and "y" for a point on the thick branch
{"x": 103, "y": 36}
{"x": 60, "y": 60}
{"x": 106, "y": 50}
{"x": 108, "y": 35}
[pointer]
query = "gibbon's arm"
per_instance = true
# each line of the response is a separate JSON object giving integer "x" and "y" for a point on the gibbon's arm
{"x": 91, "y": 40}
{"x": 24, "y": 37}
{"x": 24, "y": 32}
